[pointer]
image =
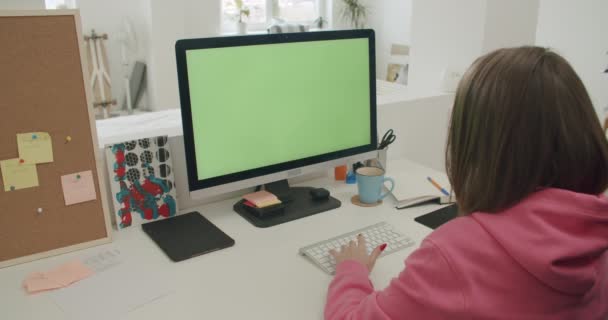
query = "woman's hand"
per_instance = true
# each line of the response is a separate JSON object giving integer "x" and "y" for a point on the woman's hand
{"x": 357, "y": 251}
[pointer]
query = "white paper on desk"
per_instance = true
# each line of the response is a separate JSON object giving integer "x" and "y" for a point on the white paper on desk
{"x": 411, "y": 180}
{"x": 112, "y": 293}
{"x": 104, "y": 260}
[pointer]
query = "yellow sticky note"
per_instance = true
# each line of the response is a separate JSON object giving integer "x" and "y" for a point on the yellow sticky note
{"x": 17, "y": 175}
{"x": 78, "y": 187}
{"x": 35, "y": 147}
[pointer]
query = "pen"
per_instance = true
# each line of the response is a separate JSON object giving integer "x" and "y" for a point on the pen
{"x": 433, "y": 182}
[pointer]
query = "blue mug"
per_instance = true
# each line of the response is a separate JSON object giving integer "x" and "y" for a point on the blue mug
{"x": 370, "y": 181}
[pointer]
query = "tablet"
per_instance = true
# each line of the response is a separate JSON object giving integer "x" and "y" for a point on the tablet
{"x": 438, "y": 217}
{"x": 186, "y": 236}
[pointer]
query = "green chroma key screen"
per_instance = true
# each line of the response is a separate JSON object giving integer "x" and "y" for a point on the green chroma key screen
{"x": 259, "y": 105}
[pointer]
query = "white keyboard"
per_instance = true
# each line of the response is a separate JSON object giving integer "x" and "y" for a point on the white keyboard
{"x": 375, "y": 235}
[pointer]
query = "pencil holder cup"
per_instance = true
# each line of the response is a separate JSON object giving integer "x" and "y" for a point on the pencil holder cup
{"x": 382, "y": 158}
{"x": 379, "y": 161}
{"x": 369, "y": 182}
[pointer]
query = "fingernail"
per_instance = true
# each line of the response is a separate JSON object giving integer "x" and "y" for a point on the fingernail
{"x": 383, "y": 246}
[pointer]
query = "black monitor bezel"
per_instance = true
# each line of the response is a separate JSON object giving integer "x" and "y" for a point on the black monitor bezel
{"x": 181, "y": 46}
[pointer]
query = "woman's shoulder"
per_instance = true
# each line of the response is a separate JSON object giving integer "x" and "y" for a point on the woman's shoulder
{"x": 460, "y": 234}
{"x": 460, "y": 227}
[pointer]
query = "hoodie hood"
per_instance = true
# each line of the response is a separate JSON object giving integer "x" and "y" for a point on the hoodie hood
{"x": 559, "y": 236}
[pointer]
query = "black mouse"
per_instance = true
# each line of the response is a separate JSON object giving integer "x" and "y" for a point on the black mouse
{"x": 319, "y": 194}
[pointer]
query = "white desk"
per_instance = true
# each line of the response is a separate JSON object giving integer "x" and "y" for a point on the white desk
{"x": 261, "y": 277}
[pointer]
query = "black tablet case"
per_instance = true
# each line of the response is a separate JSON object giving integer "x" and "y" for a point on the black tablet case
{"x": 186, "y": 236}
{"x": 438, "y": 217}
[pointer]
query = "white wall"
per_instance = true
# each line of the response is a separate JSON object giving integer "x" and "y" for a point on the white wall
{"x": 171, "y": 21}
{"x": 412, "y": 119}
{"x": 578, "y": 30}
{"x": 107, "y": 17}
{"x": 391, "y": 20}
{"x": 445, "y": 34}
{"x": 510, "y": 23}
{"x": 452, "y": 34}
{"x": 167, "y": 21}
{"x": 21, "y": 4}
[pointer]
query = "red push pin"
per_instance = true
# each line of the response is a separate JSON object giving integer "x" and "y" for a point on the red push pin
{"x": 21, "y": 161}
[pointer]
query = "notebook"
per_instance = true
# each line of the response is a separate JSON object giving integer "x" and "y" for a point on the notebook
{"x": 438, "y": 217}
{"x": 187, "y": 236}
{"x": 412, "y": 187}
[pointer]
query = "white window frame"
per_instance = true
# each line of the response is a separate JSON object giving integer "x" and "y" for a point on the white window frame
{"x": 53, "y": 4}
{"x": 229, "y": 26}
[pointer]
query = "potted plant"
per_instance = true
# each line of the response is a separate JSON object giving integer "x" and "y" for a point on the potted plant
{"x": 319, "y": 23}
{"x": 243, "y": 11}
{"x": 355, "y": 13}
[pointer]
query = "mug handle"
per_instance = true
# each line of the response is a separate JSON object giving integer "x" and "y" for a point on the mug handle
{"x": 390, "y": 189}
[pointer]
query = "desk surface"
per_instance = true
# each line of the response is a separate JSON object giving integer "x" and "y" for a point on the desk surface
{"x": 261, "y": 277}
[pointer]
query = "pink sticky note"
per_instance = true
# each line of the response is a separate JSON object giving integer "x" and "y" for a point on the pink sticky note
{"x": 260, "y": 197}
{"x": 78, "y": 187}
{"x": 69, "y": 273}
{"x": 38, "y": 282}
{"x": 59, "y": 277}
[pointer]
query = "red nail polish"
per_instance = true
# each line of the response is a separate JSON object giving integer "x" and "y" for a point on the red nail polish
{"x": 383, "y": 246}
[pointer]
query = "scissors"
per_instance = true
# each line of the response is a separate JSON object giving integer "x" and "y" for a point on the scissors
{"x": 388, "y": 138}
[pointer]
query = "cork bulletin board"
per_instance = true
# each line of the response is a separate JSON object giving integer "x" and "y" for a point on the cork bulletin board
{"x": 52, "y": 198}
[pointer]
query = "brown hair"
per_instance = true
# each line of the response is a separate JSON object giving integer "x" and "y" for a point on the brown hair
{"x": 522, "y": 120}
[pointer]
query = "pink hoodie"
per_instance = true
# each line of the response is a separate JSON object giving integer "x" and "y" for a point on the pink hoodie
{"x": 544, "y": 258}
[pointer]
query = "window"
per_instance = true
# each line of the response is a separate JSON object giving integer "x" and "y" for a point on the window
{"x": 257, "y": 11}
{"x": 262, "y": 12}
{"x": 297, "y": 10}
{"x": 59, "y": 4}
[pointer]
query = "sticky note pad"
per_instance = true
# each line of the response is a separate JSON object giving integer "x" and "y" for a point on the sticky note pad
{"x": 35, "y": 147}
{"x": 262, "y": 198}
{"x": 18, "y": 175}
{"x": 78, "y": 187}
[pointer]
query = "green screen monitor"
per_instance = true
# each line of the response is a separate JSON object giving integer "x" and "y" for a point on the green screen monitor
{"x": 265, "y": 108}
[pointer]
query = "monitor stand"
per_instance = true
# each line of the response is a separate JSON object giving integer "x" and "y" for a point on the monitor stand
{"x": 298, "y": 204}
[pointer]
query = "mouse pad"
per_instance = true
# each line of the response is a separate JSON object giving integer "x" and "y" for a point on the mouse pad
{"x": 438, "y": 217}
{"x": 186, "y": 236}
